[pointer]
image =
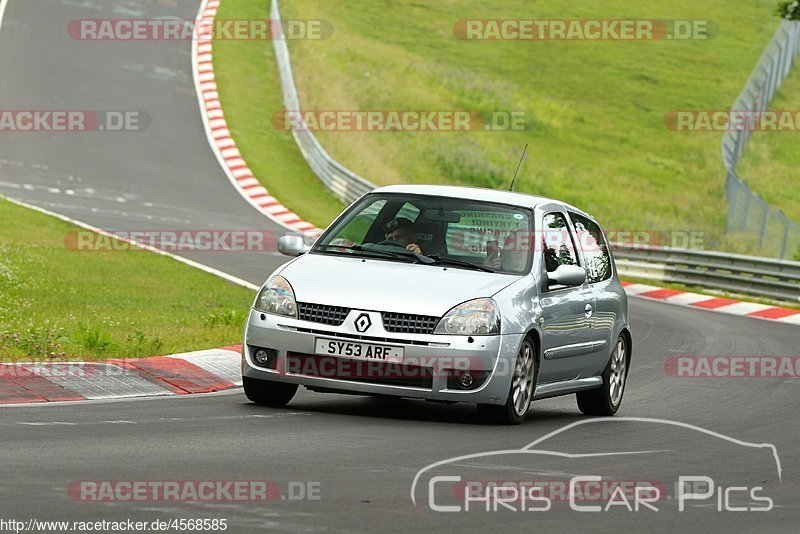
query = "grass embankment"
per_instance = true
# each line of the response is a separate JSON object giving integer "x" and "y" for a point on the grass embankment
{"x": 595, "y": 110}
{"x": 62, "y": 304}
{"x": 250, "y": 91}
{"x": 771, "y": 160}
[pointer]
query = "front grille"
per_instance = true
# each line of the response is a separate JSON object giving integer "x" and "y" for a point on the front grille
{"x": 371, "y": 372}
{"x": 407, "y": 323}
{"x": 321, "y": 313}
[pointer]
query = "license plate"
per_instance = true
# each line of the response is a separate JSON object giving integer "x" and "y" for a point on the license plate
{"x": 359, "y": 351}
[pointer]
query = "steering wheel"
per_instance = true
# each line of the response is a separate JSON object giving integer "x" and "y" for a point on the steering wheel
{"x": 391, "y": 243}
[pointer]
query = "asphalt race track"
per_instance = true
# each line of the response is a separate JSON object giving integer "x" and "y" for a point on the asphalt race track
{"x": 362, "y": 454}
{"x": 162, "y": 178}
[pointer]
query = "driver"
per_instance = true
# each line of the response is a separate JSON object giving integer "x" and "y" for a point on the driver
{"x": 402, "y": 231}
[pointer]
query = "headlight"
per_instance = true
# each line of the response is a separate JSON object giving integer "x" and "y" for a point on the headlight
{"x": 276, "y": 297}
{"x": 479, "y": 317}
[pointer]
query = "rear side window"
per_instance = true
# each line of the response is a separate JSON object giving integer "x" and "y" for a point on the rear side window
{"x": 557, "y": 243}
{"x": 594, "y": 248}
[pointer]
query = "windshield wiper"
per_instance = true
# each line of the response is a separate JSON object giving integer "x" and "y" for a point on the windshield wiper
{"x": 385, "y": 253}
{"x": 448, "y": 261}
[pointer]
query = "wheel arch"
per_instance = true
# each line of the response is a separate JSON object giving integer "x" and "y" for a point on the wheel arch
{"x": 626, "y": 331}
{"x": 535, "y": 337}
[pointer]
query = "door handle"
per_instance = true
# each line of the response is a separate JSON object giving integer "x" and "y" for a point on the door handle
{"x": 588, "y": 310}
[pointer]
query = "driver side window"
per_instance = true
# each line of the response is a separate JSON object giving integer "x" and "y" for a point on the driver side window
{"x": 557, "y": 245}
{"x": 356, "y": 229}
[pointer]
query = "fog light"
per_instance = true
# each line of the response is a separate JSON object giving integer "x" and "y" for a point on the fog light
{"x": 465, "y": 380}
{"x": 261, "y": 357}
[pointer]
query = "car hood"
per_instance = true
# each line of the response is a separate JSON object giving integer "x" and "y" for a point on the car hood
{"x": 370, "y": 284}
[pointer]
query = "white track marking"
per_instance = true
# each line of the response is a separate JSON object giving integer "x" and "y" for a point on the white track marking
{"x": 686, "y": 298}
{"x": 743, "y": 308}
{"x": 226, "y": 364}
{"x": 191, "y": 263}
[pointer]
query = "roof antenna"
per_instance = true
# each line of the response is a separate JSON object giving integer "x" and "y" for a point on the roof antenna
{"x": 511, "y": 187}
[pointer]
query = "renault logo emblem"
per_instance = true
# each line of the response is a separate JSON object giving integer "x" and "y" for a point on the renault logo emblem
{"x": 363, "y": 322}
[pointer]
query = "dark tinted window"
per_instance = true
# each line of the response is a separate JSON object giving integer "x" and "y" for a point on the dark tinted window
{"x": 594, "y": 248}
{"x": 557, "y": 243}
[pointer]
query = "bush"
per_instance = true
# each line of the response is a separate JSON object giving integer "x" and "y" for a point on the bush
{"x": 789, "y": 10}
{"x": 225, "y": 318}
{"x": 94, "y": 340}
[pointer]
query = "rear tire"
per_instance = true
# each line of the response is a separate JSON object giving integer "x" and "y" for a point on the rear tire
{"x": 523, "y": 384}
{"x": 268, "y": 393}
{"x": 607, "y": 399}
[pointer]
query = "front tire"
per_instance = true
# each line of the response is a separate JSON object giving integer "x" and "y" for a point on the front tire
{"x": 607, "y": 399}
{"x": 268, "y": 393}
{"x": 523, "y": 382}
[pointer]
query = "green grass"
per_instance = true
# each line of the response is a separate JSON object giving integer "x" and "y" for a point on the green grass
{"x": 249, "y": 87}
{"x": 62, "y": 304}
{"x": 595, "y": 109}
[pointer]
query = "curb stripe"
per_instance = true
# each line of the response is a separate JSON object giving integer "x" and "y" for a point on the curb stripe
{"x": 135, "y": 370}
{"x": 774, "y": 313}
{"x": 223, "y": 363}
{"x": 661, "y": 293}
{"x": 19, "y": 385}
{"x": 743, "y": 308}
{"x": 97, "y": 380}
{"x": 13, "y": 393}
{"x": 717, "y": 304}
{"x": 202, "y": 371}
{"x": 181, "y": 374}
{"x": 217, "y": 131}
{"x": 714, "y": 303}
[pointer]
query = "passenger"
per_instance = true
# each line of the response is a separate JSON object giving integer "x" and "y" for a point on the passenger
{"x": 514, "y": 256}
{"x": 402, "y": 231}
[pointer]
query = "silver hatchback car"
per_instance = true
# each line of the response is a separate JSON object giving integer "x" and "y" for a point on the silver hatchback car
{"x": 448, "y": 294}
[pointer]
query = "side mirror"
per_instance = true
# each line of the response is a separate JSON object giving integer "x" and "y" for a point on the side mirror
{"x": 292, "y": 245}
{"x": 567, "y": 275}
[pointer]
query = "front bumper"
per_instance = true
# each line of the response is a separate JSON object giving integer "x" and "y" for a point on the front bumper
{"x": 430, "y": 360}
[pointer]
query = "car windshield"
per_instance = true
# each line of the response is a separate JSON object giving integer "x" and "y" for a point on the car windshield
{"x": 431, "y": 230}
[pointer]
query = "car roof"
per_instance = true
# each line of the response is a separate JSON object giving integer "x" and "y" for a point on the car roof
{"x": 475, "y": 193}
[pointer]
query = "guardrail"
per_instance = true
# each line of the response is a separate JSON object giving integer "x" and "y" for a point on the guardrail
{"x": 750, "y": 275}
{"x": 342, "y": 182}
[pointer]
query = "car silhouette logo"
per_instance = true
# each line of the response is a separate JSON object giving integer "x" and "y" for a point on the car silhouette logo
{"x": 362, "y": 322}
